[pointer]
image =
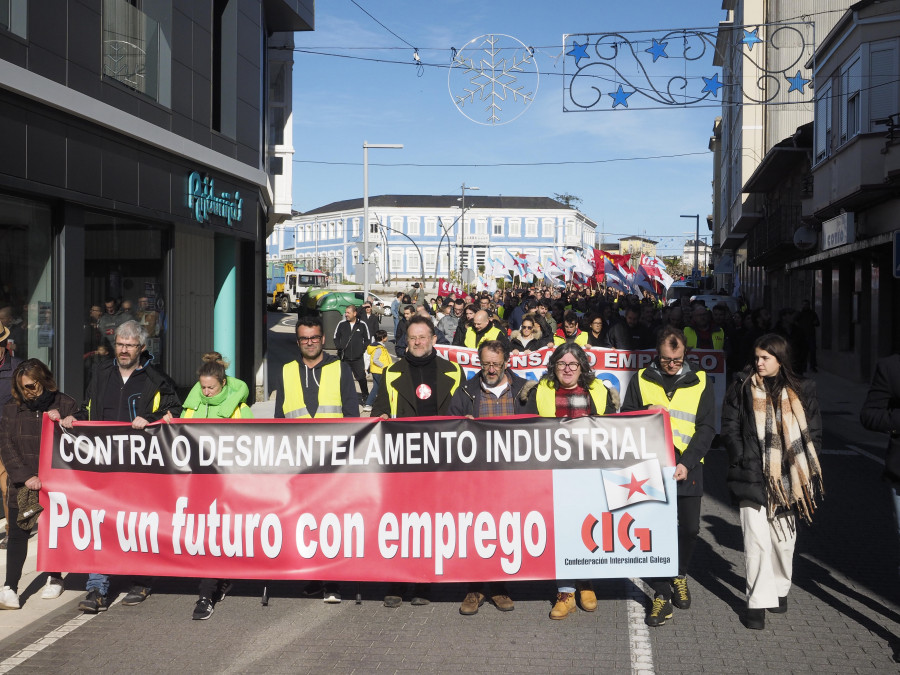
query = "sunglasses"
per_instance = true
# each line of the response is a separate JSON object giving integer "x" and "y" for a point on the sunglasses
{"x": 31, "y": 387}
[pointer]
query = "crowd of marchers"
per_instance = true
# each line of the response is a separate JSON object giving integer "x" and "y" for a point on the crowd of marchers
{"x": 771, "y": 426}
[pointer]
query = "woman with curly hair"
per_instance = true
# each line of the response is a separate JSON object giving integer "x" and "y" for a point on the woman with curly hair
{"x": 569, "y": 388}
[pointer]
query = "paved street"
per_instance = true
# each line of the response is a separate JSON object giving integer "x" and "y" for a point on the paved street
{"x": 844, "y": 609}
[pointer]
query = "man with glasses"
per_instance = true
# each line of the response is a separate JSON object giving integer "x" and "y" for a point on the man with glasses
{"x": 128, "y": 388}
{"x": 419, "y": 385}
{"x": 318, "y": 386}
{"x": 670, "y": 384}
{"x": 494, "y": 392}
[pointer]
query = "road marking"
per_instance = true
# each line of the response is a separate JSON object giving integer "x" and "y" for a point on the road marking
{"x": 874, "y": 458}
{"x": 638, "y": 632}
{"x": 286, "y": 325}
{"x": 47, "y": 640}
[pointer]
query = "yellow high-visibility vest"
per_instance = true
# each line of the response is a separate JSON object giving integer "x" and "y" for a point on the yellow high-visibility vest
{"x": 682, "y": 408}
{"x": 330, "y": 404}
{"x": 718, "y": 338}
{"x": 545, "y": 397}
{"x": 492, "y": 333}
{"x": 581, "y": 339}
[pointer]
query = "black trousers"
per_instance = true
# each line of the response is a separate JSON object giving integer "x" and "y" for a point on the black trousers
{"x": 358, "y": 367}
{"x": 688, "y": 531}
{"x": 17, "y": 551}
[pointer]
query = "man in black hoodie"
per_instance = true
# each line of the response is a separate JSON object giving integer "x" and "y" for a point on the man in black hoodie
{"x": 670, "y": 384}
{"x": 128, "y": 388}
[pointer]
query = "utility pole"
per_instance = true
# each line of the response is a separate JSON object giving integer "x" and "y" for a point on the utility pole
{"x": 696, "y": 271}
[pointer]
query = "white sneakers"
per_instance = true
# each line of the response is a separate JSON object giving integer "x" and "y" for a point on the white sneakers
{"x": 9, "y": 599}
{"x": 53, "y": 589}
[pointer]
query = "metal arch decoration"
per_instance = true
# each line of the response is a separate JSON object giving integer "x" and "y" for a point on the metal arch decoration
{"x": 641, "y": 70}
{"x": 493, "y": 79}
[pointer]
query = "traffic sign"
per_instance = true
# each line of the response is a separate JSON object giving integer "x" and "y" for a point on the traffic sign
{"x": 695, "y": 274}
{"x": 897, "y": 254}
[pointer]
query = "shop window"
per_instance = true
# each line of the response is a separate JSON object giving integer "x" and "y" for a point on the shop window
{"x": 137, "y": 46}
{"x": 26, "y": 303}
{"x": 13, "y": 16}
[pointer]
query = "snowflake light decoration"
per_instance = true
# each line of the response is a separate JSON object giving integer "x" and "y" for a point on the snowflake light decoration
{"x": 493, "y": 79}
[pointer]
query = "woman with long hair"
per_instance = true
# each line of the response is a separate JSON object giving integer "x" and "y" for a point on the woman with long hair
{"x": 34, "y": 393}
{"x": 569, "y": 388}
{"x": 772, "y": 429}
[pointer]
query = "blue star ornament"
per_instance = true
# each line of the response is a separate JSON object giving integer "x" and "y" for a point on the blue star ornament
{"x": 579, "y": 52}
{"x": 620, "y": 97}
{"x": 711, "y": 85}
{"x": 658, "y": 50}
{"x": 751, "y": 38}
{"x": 797, "y": 82}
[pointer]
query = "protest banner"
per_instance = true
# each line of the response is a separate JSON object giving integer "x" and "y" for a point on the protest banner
{"x": 615, "y": 367}
{"x": 425, "y": 500}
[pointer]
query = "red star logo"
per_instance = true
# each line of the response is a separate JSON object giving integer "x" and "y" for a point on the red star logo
{"x": 635, "y": 486}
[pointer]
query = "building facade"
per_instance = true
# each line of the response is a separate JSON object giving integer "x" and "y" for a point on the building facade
{"x": 416, "y": 236}
{"x": 136, "y": 164}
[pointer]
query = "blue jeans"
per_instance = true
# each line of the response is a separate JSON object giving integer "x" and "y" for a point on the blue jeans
{"x": 97, "y": 582}
{"x": 370, "y": 401}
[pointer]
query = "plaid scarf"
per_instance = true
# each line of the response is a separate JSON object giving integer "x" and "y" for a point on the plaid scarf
{"x": 790, "y": 464}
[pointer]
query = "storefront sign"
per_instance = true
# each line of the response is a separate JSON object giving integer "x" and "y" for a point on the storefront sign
{"x": 436, "y": 499}
{"x": 838, "y": 231}
{"x": 203, "y": 201}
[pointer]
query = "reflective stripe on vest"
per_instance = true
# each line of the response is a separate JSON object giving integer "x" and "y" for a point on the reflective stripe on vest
{"x": 391, "y": 375}
{"x": 581, "y": 339}
{"x": 718, "y": 338}
{"x": 329, "y": 391}
{"x": 492, "y": 333}
{"x": 682, "y": 408}
{"x": 545, "y": 397}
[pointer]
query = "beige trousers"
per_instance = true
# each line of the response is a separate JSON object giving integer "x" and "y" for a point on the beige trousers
{"x": 768, "y": 554}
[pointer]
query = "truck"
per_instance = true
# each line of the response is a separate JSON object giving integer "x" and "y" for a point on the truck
{"x": 286, "y": 295}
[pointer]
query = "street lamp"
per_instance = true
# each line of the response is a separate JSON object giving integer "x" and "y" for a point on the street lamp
{"x": 462, "y": 222}
{"x": 366, "y": 146}
{"x": 696, "y": 270}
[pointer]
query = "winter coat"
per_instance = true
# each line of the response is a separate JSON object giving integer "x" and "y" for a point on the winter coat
{"x": 468, "y": 396}
{"x": 881, "y": 411}
{"x": 229, "y": 403}
{"x": 745, "y": 479}
{"x": 20, "y": 440}
{"x": 7, "y": 368}
{"x": 538, "y": 340}
{"x": 147, "y": 406}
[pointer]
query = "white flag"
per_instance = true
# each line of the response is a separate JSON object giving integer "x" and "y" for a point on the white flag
{"x": 642, "y": 482}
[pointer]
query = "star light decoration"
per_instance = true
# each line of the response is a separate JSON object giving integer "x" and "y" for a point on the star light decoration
{"x": 674, "y": 68}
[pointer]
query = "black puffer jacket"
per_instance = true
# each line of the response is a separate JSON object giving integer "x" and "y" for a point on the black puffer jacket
{"x": 745, "y": 469}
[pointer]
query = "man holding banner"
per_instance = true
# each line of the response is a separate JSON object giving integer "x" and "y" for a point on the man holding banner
{"x": 419, "y": 385}
{"x": 494, "y": 392}
{"x": 126, "y": 389}
{"x": 670, "y": 384}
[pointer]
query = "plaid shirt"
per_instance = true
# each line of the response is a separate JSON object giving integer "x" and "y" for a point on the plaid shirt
{"x": 496, "y": 406}
{"x": 572, "y": 403}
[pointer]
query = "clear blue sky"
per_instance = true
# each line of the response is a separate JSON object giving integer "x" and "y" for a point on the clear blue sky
{"x": 341, "y": 102}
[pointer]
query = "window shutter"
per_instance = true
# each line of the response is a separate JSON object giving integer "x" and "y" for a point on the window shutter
{"x": 883, "y": 100}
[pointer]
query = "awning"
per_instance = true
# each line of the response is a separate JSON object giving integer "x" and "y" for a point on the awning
{"x": 860, "y": 245}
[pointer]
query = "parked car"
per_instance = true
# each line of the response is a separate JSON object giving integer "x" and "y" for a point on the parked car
{"x": 712, "y": 300}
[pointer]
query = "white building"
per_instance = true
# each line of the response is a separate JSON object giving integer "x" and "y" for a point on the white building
{"x": 415, "y": 236}
{"x": 694, "y": 247}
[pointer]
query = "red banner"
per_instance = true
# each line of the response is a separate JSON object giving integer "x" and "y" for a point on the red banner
{"x": 452, "y": 500}
{"x": 445, "y": 288}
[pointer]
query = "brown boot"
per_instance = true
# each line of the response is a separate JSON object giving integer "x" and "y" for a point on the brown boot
{"x": 587, "y": 596}
{"x": 565, "y": 605}
{"x": 471, "y": 604}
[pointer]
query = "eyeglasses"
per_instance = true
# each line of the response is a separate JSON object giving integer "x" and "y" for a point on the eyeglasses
{"x": 31, "y": 387}
{"x": 492, "y": 366}
{"x": 122, "y": 345}
{"x": 570, "y": 365}
{"x": 675, "y": 362}
{"x": 309, "y": 339}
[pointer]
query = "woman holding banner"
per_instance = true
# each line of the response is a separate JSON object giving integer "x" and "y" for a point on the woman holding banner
{"x": 569, "y": 388}
{"x": 215, "y": 397}
{"x": 34, "y": 393}
{"x": 772, "y": 430}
